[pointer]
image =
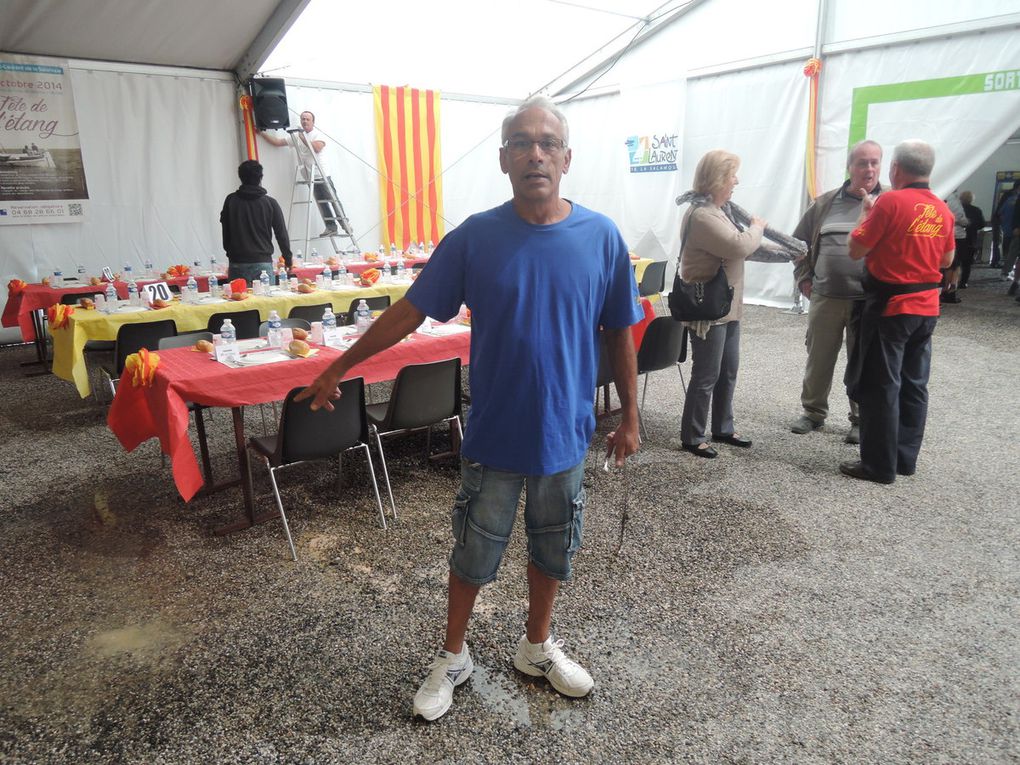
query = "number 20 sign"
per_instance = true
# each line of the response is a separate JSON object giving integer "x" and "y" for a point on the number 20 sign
{"x": 157, "y": 291}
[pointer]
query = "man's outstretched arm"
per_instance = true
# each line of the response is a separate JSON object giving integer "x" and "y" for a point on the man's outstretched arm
{"x": 391, "y": 327}
{"x": 624, "y": 441}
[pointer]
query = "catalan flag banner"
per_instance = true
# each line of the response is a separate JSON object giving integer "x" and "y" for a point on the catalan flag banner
{"x": 410, "y": 166}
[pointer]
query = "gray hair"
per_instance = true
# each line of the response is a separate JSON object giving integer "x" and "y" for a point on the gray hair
{"x": 537, "y": 102}
{"x": 857, "y": 147}
{"x": 915, "y": 157}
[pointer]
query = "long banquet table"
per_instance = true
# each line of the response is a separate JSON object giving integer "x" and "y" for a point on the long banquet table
{"x": 22, "y": 307}
{"x": 160, "y": 411}
{"x": 69, "y": 341}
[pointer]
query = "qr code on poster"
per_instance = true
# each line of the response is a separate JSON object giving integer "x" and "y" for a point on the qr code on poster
{"x": 75, "y": 209}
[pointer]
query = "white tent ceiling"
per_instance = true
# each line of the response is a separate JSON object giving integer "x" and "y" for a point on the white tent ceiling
{"x": 481, "y": 47}
{"x": 184, "y": 33}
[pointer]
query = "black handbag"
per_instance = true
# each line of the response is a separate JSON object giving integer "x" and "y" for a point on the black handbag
{"x": 699, "y": 301}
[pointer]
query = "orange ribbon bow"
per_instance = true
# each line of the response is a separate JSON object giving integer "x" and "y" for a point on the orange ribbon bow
{"x": 141, "y": 367}
{"x": 178, "y": 270}
{"x": 58, "y": 314}
{"x": 16, "y": 287}
{"x": 812, "y": 67}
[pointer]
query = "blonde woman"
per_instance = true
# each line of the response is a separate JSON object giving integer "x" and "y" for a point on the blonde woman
{"x": 712, "y": 240}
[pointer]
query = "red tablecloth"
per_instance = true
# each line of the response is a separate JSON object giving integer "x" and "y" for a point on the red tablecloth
{"x": 352, "y": 266}
{"x": 638, "y": 329}
{"x": 160, "y": 411}
{"x": 19, "y": 308}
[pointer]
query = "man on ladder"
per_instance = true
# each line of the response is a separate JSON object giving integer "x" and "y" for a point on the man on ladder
{"x": 312, "y": 169}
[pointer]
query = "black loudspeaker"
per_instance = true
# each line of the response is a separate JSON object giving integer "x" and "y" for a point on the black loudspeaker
{"x": 269, "y": 96}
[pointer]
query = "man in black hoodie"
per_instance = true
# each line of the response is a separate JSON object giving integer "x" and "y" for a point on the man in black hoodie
{"x": 249, "y": 218}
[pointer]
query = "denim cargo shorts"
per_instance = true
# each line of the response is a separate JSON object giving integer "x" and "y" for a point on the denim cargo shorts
{"x": 484, "y": 512}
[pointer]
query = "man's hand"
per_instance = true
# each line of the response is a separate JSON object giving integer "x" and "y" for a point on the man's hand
{"x": 324, "y": 389}
{"x": 805, "y": 288}
{"x": 622, "y": 442}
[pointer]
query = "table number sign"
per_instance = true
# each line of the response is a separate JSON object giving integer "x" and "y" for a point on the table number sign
{"x": 157, "y": 291}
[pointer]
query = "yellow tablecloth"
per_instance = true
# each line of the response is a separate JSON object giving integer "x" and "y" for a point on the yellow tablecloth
{"x": 69, "y": 342}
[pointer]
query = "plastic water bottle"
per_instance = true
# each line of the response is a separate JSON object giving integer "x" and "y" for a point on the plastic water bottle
{"x": 428, "y": 249}
{"x": 363, "y": 317}
{"x": 132, "y": 293}
{"x": 329, "y": 318}
{"x": 228, "y": 334}
{"x": 81, "y": 272}
{"x": 111, "y": 296}
{"x": 213, "y": 264}
{"x": 382, "y": 250}
{"x": 214, "y": 284}
{"x": 58, "y": 278}
{"x": 400, "y": 269}
{"x": 315, "y": 255}
{"x": 192, "y": 288}
{"x": 299, "y": 259}
{"x": 127, "y": 272}
{"x": 275, "y": 334}
{"x": 327, "y": 277}
{"x": 282, "y": 280}
{"x": 196, "y": 265}
{"x": 148, "y": 267}
{"x": 341, "y": 273}
{"x": 412, "y": 250}
{"x": 393, "y": 251}
{"x": 421, "y": 249}
{"x": 266, "y": 282}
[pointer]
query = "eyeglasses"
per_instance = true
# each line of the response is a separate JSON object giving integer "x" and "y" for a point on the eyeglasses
{"x": 519, "y": 146}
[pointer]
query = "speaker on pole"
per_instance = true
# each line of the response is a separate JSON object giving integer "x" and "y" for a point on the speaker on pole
{"x": 269, "y": 96}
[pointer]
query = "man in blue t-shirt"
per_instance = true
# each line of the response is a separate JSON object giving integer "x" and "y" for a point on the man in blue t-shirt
{"x": 541, "y": 275}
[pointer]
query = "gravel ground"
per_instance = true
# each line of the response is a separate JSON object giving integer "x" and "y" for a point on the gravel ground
{"x": 762, "y": 608}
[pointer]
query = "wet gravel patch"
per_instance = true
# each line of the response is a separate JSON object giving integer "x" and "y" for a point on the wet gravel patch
{"x": 761, "y": 607}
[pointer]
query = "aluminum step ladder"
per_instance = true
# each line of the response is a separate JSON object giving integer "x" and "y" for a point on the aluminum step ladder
{"x": 303, "y": 179}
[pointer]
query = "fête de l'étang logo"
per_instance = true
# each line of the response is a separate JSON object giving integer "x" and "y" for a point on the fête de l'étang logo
{"x": 652, "y": 153}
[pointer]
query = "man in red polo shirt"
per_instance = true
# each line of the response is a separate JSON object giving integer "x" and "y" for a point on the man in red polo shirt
{"x": 905, "y": 237}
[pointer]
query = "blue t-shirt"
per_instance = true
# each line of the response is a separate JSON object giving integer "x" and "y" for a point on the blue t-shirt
{"x": 537, "y": 295}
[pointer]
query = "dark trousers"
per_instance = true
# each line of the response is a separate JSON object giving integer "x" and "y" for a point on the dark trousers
{"x": 965, "y": 254}
{"x": 893, "y": 394}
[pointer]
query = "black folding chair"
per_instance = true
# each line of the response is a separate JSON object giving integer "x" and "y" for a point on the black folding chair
{"x": 309, "y": 313}
{"x": 653, "y": 280}
{"x": 664, "y": 345}
{"x": 378, "y": 303}
{"x": 306, "y": 435}
{"x": 184, "y": 340}
{"x": 423, "y": 395}
{"x": 246, "y": 323}
{"x": 130, "y": 339}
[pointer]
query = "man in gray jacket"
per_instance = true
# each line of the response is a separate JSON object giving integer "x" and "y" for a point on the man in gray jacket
{"x": 832, "y": 282}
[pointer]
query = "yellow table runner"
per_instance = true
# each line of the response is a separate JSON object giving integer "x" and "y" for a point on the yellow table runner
{"x": 69, "y": 342}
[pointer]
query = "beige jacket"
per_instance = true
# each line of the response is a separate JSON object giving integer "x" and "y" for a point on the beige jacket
{"x": 714, "y": 240}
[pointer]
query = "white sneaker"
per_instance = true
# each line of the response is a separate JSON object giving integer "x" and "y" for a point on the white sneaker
{"x": 447, "y": 671}
{"x": 548, "y": 660}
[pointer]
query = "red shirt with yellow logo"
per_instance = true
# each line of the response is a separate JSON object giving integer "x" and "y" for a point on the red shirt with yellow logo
{"x": 908, "y": 231}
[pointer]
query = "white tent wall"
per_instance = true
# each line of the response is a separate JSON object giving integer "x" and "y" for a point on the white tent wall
{"x": 746, "y": 93}
{"x": 160, "y": 153}
{"x": 964, "y": 129}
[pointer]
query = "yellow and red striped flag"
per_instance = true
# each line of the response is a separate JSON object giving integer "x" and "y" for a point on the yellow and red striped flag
{"x": 410, "y": 184}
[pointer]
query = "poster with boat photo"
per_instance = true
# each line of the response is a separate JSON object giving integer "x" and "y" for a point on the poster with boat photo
{"x": 42, "y": 177}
